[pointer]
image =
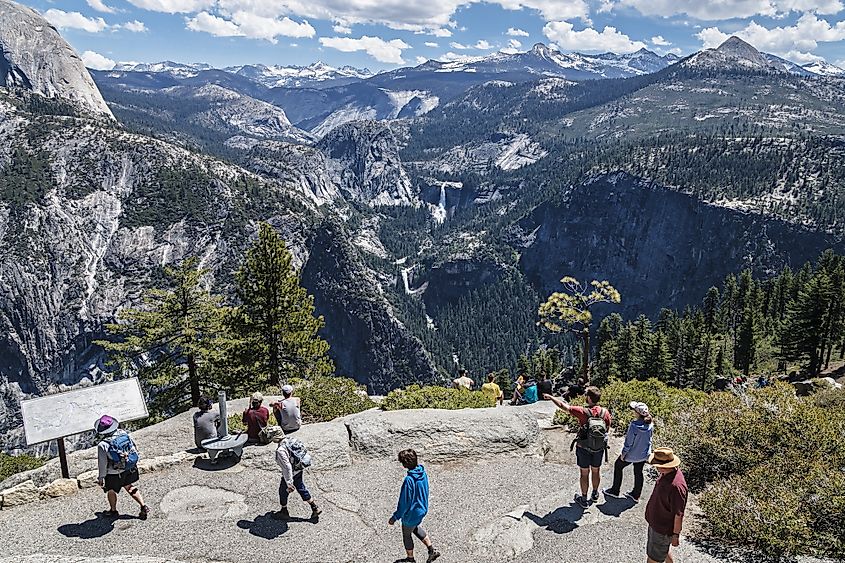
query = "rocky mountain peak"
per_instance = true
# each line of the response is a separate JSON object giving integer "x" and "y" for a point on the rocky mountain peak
{"x": 736, "y": 47}
{"x": 734, "y": 54}
{"x": 541, "y": 50}
{"x": 35, "y": 58}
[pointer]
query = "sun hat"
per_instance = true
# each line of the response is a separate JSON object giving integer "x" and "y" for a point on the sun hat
{"x": 640, "y": 408}
{"x": 257, "y": 397}
{"x": 287, "y": 389}
{"x": 105, "y": 425}
{"x": 664, "y": 458}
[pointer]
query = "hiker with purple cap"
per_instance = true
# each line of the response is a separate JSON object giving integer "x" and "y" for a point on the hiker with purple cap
{"x": 635, "y": 452}
{"x": 665, "y": 509}
{"x": 117, "y": 464}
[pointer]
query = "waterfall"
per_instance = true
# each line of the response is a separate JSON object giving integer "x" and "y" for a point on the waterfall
{"x": 439, "y": 212}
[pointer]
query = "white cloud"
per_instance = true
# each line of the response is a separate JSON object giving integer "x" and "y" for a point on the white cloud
{"x": 514, "y": 44}
{"x": 381, "y": 50}
{"x": 675, "y": 51}
{"x": 659, "y": 41}
{"x": 420, "y": 60}
{"x": 342, "y": 28}
{"x": 483, "y": 45}
{"x": 590, "y": 40}
{"x": 450, "y": 56}
{"x": 459, "y": 46}
{"x": 729, "y": 9}
{"x": 516, "y": 32}
{"x": 441, "y": 32}
{"x": 247, "y": 24}
{"x": 550, "y": 9}
{"x": 173, "y": 6}
{"x": 134, "y": 26}
{"x": 209, "y": 23}
{"x": 794, "y": 42}
{"x": 100, "y": 6}
{"x": 432, "y": 44}
{"x": 74, "y": 20}
{"x": 97, "y": 61}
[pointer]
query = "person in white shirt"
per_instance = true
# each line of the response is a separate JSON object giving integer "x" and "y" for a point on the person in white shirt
{"x": 292, "y": 480}
{"x": 287, "y": 411}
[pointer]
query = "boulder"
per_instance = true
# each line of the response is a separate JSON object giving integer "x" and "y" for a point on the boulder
{"x": 443, "y": 435}
{"x": 87, "y": 479}
{"x": 24, "y": 493}
{"x": 60, "y": 488}
{"x": 327, "y": 442}
{"x": 810, "y": 386}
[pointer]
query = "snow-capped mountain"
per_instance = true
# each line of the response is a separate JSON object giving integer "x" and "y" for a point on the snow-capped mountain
{"x": 181, "y": 70}
{"x": 823, "y": 68}
{"x": 314, "y": 75}
{"x": 546, "y": 61}
{"x": 788, "y": 66}
{"x": 733, "y": 54}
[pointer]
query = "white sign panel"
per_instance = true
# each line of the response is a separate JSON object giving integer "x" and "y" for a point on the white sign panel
{"x": 73, "y": 412}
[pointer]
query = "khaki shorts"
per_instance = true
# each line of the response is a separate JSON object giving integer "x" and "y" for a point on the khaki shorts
{"x": 658, "y": 544}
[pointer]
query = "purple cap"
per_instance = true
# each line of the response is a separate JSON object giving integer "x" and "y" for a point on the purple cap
{"x": 105, "y": 425}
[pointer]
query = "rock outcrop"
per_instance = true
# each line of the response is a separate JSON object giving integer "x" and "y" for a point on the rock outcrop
{"x": 35, "y": 58}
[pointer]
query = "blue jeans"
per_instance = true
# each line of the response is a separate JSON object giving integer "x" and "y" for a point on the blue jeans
{"x": 300, "y": 488}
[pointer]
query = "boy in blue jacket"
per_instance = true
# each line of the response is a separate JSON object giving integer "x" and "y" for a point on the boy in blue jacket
{"x": 413, "y": 506}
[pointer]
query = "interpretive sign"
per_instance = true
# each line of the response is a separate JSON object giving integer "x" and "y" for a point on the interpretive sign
{"x": 73, "y": 412}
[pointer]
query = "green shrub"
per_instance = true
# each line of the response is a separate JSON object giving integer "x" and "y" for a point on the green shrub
{"x": 416, "y": 397}
{"x": 11, "y": 464}
{"x": 771, "y": 466}
{"x": 662, "y": 400}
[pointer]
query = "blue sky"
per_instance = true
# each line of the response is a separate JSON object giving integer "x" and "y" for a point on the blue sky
{"x": 385, "y": 34}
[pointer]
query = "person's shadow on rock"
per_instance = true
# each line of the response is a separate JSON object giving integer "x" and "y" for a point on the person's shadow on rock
{"x": 92, "y": 528}
{"x": 269, "y": 528}
{"x": 561, "y": 520}
{"x": 616, "y": 507}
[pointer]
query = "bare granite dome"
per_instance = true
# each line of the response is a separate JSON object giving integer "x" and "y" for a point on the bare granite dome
{"x": 34, "y": 57}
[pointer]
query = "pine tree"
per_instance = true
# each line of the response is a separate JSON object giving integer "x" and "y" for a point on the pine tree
{"x": 175, "y": 341}
{"x": 275, "y": 319}
{"x": 802, "y": 335}
{"x": 659, "y": 361}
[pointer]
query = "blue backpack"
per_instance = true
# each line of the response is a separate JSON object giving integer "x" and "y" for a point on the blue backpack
{"x": 122, "y": 452}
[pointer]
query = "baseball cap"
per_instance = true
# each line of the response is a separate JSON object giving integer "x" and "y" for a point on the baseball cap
{"x": 287, "y": 389}
{"x": 257, "y": 397}
{"x": 640, "y": 408}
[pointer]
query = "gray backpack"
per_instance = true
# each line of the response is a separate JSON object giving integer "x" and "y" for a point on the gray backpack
{"x": 593, "y": 434}
{"x": 299, "y": 456}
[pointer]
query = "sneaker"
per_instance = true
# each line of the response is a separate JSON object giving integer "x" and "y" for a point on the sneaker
{"x": 315, "y": 511}
{"x": 432, "y": 555}
{"x": 111, "y": 513}
{"x": 145, "y": 511}
{"x": 595, "y": 496}
{"x": 582, "y": 501}
{"x": 632, "y": 497}
{"x": 611, "y": 494}
{"x": 282, "y": 514}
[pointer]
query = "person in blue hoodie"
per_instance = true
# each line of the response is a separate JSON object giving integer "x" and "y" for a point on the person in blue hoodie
{"x": 413, "y": 506}
{"x": 635, "y": 451}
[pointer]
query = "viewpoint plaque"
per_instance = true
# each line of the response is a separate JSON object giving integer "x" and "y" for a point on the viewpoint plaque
{"x": 53, "y": 417}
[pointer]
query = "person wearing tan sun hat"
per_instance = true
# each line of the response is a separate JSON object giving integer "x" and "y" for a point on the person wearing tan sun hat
{"x": 665, "y": 510}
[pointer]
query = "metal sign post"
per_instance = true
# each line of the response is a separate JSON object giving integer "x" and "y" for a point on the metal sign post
{"x": 55, "y": 417}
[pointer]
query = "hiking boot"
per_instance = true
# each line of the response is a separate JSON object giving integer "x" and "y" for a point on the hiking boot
{"x": 111, "y": 513}
{"x": 145, "y": 511}
{"x": 282, "y": 514}
{"x": 432, "y": 555}
{"x": 611, "y": 494}
{"x": 595, "y": 496}
{"x": 582, "y": 501}
{"x": 315, "y": 511}
{"x": 630, "y": 495}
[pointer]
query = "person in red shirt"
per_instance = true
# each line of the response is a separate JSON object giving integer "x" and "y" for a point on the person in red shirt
{"x": 589, "y": 460}
{"x": 255, "y": 417}
{"x": 665, "y": 510}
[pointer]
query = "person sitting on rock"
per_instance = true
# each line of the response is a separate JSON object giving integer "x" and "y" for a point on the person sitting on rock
{"x": 413, "y": 506}
{"x": 517, "y": 389}
{"x": 591, "y": 441}
{"x": 544, "y": 385}
{"x": 255, "y": 418}
{"x": 287, "y": 411}
{"x": 293, "y": 471}
{"x": 463, "y": 381}
{"x": 636, "y": 450}
{"x": 117, "y": 464}
{"x": 492, "y": 390}
{"x": 206, "y": 422}
{"x": 528, "y": 395}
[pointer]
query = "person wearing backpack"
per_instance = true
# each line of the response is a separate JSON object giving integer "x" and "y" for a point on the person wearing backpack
{"x": 590, "y": 443}
{"x": 413, "y": 506}
{"x": 635, "y": 451}
{"x": 117, "y": 464}
{"x": 293, "y": 459}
